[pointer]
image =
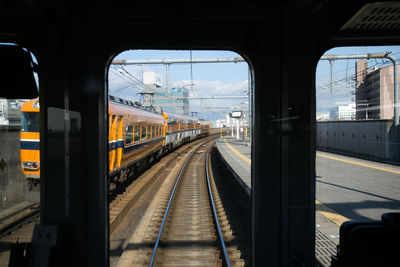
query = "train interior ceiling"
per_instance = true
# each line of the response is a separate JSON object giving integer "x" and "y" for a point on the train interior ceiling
{"x": 74, "y": 44}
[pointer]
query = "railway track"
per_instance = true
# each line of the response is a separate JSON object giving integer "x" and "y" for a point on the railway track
{"x": 185, "y": 225}
{"x": 17, "y": 226}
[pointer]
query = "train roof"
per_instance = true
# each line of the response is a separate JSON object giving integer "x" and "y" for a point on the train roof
{"x": 124, "y": 107}
{"x": 31, "y": 106}
{"x": 180, "y": 116}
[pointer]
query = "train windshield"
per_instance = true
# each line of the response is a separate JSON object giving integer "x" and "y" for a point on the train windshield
{"x": 30, "y": 121}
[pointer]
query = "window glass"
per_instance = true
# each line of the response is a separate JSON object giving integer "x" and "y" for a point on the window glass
{"x": 144, "y": 88}
{"x": 137, "y": 133}
{"x": 129, "y": 134}
{"x": 19, "y": 155}
{"x": 356, "y": 162}
{"x": 30, "y": 121}
{"x": 144, "y": 129}
{"x": 171, "y": 121}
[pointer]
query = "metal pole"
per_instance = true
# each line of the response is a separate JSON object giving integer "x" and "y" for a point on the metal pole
{"x": 142, "y": 79}
{"x": 237, "y": 129}
{"x": 167, "y": 77}
{"x": 231, "y": 121}
{"x": 396, "y": 105}
{"x": 396, "y": 89}
{"x": 177, "y": 61}
{"x": 331, "y": 65}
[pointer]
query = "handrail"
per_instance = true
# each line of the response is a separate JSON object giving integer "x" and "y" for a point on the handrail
{"x": 218, "y": 228}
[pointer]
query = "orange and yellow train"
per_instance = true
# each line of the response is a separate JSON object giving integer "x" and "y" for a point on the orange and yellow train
{"x": 136, "y": 136}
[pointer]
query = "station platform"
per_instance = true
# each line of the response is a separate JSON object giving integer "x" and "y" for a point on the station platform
{"x": 236, "y": 154}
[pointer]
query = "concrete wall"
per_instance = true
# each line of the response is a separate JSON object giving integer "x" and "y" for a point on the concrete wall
{"x": 373, "y": 139}
{"x": 12, "y": 181}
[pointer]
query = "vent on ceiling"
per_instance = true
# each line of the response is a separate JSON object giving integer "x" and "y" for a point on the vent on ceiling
{"x": 375, "y": 16}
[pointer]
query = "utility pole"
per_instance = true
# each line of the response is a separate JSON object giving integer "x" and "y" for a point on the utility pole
{"x": 167, "y": 77}
{"x": 331, "y": 65}
{"x": 237, "y": 129}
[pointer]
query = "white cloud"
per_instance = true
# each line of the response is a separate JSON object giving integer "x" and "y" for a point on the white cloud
{"x": 214, "y": 88}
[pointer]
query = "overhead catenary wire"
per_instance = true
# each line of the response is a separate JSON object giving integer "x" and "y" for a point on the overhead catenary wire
{"x": 383, "y": 63}
{"x": 135, "y": 81}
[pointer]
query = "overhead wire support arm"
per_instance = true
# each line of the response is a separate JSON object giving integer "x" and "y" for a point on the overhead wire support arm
{"x": 395, "y": 76}
{"x": 177, "y": 61}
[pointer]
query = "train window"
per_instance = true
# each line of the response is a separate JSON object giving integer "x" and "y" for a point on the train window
{"x": 357, "y": 164}
{"x": 19, "y": 148}
{"x": 137, "y": 133}
{"x": 144, "y": 133}
{"x": 171, "y": 121}
{"x": 170, "y": 99}
{"x": 129, "y": 134}
{"x": 30, "y": 122}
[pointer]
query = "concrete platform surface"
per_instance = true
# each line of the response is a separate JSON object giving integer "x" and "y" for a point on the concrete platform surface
{"x": 237, "y": 154}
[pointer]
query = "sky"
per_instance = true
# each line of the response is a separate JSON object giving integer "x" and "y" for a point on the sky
{"x": 209, "y": 79}
{"x": 231, "y": 79}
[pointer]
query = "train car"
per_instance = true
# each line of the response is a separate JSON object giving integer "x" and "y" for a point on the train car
{"x": 205, "y": 128}
{"x": 182, "y": 128}
{"x": 134, "y": 134}
{"x": 30, "y": 141}
{"x": 136, "y": 138}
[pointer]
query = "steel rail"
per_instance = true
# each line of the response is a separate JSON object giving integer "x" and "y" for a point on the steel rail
{"x": 19, "y": 221}
{"x": 169, "y": 204}
{"x": 221, "y": 243}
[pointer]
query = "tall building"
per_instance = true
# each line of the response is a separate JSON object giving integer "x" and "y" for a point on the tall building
{"x": 374, "y": 92}
{"x": 343, "y": 112}
{"x": 176, "y": 100}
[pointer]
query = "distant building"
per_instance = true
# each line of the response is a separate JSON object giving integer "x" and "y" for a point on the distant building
{"x": 374, "y": 92}
{"x": 343, "y": 112}
{"x": 323, "y": 116}
{"x": 176, "y": 100}
{"x": 220, "y": 124}
{"x": 10, "y": 111}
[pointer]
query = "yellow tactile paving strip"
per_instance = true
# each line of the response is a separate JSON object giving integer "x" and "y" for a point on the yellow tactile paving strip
{"x": 243, "y": 157}
{"x": 358, "y": 164}
{"x": 330, "y": 213}
{"x": 321, "y": 208}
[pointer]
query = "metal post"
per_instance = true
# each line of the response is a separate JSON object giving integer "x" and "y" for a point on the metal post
{"x": 396, "y": 89}
{"x": 142, "y": 78}
{"x": 396, "y": 105}
{"x": 167, "y": 77}
{"x": 237, "y": 129}
{"x": 331, "y": 65}
{"x": 231, "y": 121}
